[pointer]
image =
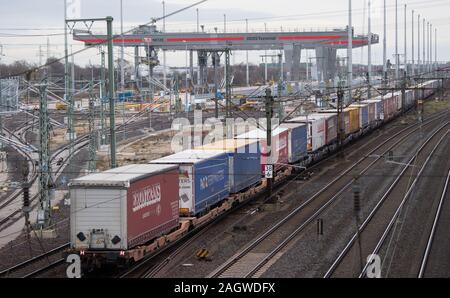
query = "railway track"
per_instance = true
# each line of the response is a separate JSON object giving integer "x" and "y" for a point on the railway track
{"x": 431, "y": 237}
{"x": 20, "y": 135}
{"x": 247, "y": 262}
{"x": 12, "y": 217}
{"x": 45, "y": 257}
{"x": 373, "y": 231}
{"x": 155, "y": 268}
{"x": 147, "y": 268}
{"x": 32, "y": 176}
{"x": 146, "y": 273}
{"x": 79, "y": 144}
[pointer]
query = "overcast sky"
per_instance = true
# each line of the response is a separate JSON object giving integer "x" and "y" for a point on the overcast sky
{"x": 46, "y": 17}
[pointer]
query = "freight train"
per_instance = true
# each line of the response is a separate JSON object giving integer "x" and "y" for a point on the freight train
{"x": 122, "y": 215}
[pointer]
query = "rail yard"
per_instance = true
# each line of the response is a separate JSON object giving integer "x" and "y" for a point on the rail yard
{"x": 296, "y": 167}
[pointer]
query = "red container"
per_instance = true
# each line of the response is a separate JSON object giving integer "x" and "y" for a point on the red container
{"x": 372, "y": 112}
{"x": 280, "y": 148}
{"x": 147, "y": 220}
{"x": 389, "y": 107}
{"x": 124, "y": 207}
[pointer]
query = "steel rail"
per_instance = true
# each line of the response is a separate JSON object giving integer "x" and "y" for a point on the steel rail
{"x": 45, "y": 269}
{"x": 397, "y": 213}
{"x": 33, "y": 260}
{"x": 298, "y": 230}
{"x": 347, "y": 248}
{"x": 271, "y": 231}
{"x": 433, "y": 229}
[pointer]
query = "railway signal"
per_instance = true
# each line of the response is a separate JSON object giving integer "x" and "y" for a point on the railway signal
{"x": 93, "y": 146}
{"x": 357, "y": 211}
{"x": 340, "y": 107}
{"x": 320, "y": 227}
{"x": 356, "y": 200}
{"x": 269, "y": 165}
{"x": 44, "y": 212}
{"x": 26, "y": 193}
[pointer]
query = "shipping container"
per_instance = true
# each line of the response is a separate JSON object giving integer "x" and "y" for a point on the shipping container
{"x": 280, "y": 149}
{"x": 125, "y": 207}
{"x": 330, "y": 126}
{"x": 389, "y": 107}
{"x": 316, "y": 131}
{"x": 345, "y": 119}
{"x": 372, "y": 111}
{"x": 363, "y": 114}
{"x": 393, "y": 105}
{"x": 203, "y": 176}
{"x": 377, "y": 107}
{"x": 355, "y": 120}
{"x": 298, "y": 141}
{"x": 409, "y": 98}
{"x": 398, "y": 101}
{"x": 244, "y": 162}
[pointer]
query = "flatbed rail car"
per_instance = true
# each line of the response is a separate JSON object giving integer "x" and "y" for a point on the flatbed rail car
{"x": 186, "y": 224}
{"x": 122, "y": 208}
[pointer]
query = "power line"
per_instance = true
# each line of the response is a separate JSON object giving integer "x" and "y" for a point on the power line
{"x": 100, "y": 43}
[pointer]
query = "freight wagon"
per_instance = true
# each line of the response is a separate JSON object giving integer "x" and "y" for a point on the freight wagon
{"x": 389, "y": 108}
{"x": 372, "y": 112}
{"x": 376, "y": 107}
{"x": 203, "y": 179}
{"x": 355, "y": 120}
{"x": 345, "y": 119}
{"x": 280, "y": 150}
{"x": 116, "y": 182}
{"x": 399, "y": 102}
{"x": 122, "y": 208}
{"x": 244, "y": 162}
{"x": 316, "y": 131}
{"x": 363, "y": 114}
{"x": 429, "y": 87}
{"x": 409, "y": 99}
{"x": 297, "y": 141}
{"x": 426, "y": 89}
{"x": 330, "y": 126}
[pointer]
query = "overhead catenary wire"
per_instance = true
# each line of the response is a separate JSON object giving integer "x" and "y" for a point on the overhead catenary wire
{"x": 102, "y": 42}
{"x": 419, "y": 3}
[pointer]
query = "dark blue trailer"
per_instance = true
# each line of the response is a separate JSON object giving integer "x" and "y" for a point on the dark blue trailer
{"x": 244, "y": 161}
{"x": 204, "y": 179}
{"x": 297, "y": 141}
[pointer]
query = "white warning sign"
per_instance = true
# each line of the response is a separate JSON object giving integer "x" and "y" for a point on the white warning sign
{"x": 268, "y": 169}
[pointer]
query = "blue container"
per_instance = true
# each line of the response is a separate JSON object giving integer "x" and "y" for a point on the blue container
{"x": 244, "y": 162}
{"x": 379, "y": 109}
{"x": 363, "y": 114}
{"x": 204, "y": 179}
{"x": 125, "y": 95}
{"x": 297, "y": 141}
